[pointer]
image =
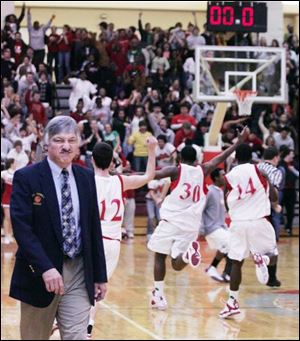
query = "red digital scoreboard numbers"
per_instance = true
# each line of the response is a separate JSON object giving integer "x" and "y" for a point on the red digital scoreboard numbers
{"x": 236, "y": 16}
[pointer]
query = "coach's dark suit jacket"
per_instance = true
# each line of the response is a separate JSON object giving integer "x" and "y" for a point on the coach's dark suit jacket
{"x": 37, "y": 228}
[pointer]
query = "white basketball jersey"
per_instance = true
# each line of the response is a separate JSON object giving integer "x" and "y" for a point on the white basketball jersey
{"x": 111, "y": 205}
{"x": 248, "y": 196}
{"x": 184, "y": 206}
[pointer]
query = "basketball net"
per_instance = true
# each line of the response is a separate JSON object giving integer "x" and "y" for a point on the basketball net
{"x": 245, "y": 99}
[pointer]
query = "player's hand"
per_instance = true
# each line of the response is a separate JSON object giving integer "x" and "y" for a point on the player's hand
{"x": 242, "y": 137}
{"x": 53, "y": 281}
{"x": 100, "y": 291}
{"x": 152, "y": 143}
{"x": 53, "y": 17}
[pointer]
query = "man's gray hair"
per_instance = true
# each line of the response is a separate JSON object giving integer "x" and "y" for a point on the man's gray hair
{"x": 61, "y": 125}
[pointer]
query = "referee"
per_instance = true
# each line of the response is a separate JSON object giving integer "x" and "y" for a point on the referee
{"x": 276, "y": 177}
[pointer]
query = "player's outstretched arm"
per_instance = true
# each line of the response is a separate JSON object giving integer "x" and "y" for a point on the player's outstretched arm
{"x": 213, "y": 163}
{"x": 136, "y": 181}
{"x": 167, "y": 172}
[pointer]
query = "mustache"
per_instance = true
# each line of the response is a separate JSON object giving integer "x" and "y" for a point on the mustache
{"x": 66, "y": 151}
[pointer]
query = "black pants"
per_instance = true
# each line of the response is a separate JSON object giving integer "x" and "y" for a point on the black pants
{"x": 53, "y": 56}
{"x": 38, "y": 58}
{"x": 289, "y": 201}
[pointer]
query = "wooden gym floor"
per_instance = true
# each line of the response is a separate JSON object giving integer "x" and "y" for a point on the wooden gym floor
{"x": 194, "y": 300}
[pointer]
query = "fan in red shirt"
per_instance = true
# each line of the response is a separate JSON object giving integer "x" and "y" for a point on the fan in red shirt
{"x": 36, "y": 108}
{"x": 184, "y": 133}
{"x": 18, "y": 48}
{"x": 178, "y": 120}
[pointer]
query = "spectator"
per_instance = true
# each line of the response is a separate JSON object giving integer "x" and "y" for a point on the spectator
{"x": 178, "y": 120}
{"x": 101, "y": 113}
{"x": 146, "y": 34}
{"x": 177, "y": 37}
{"x": 28, "y": 136}
{"x": 159, "y": 62}
{"x": 81, "y": 88}
{"x": 18, "y": 48}
{"x": 139, "y": 116}
{"x": 8, "y": 67}
{"x": 64, "y": 44}
{"x": 45, "y": 89}
{"x": 165, "y": 152}
{"x": 284, "y": 139}
{"x": 162, "y": 129}
{"x": 19, "y": 155}
{"x": 195, "y": 39}
{"x": 37, "y": 38}
{"x": 52, "y": 55}
{"x": 91, "y": 134}
{"x": 6, "y": 144}
{"x": 36, "y": 108}
{"x": 289, "y": 190}
{"x": 184, "y": 133}
{"x": 139, "y": 141}
{"x": 25, "y": 68}
{"x": 111, "y": 136}
{"x": 120, "y": 125}
{"x": 13, "y": 24}
{"x": 79, "y": 115}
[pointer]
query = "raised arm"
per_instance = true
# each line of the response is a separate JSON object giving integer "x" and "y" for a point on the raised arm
{"x": 136, "y": 181}
{"x": 213, "y": 163}
{"x": 261, "y": 125}
{"x": 167, "y": 172}
{"x": 22, "y": 15}
{"x": 195, "y": 18}
{"x": 29, "y": 21}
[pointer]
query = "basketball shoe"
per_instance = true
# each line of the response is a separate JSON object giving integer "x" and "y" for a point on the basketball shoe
{"x": 261, "y": 265}
{"x": 192, "y": 254}
{"x": 231, "y": 308}
{"x": 158, "y": 301}
{"x": 213, "y": 273}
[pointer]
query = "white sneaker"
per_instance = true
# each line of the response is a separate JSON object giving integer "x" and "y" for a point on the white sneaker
{"x": 192, "y": 254}
{"x": 158, "y": 301}
{"x": 261, "y": 265}
{"x": 231, "y": 308}
{"x": 226, "y": 278}
{"x": 213, "y": 273}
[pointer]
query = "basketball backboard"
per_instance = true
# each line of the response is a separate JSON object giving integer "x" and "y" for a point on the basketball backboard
{"x": 222, "y": 69}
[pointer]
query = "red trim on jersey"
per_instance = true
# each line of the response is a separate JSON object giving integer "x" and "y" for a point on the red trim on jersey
{"x": 262, "y": 179}
{"x": 205, "y": 185}
{"x": 175, "y": 182}
{"x": 229, "y": 187}
{"x": 108, "y": 238}
{"x": 122, "y": 188}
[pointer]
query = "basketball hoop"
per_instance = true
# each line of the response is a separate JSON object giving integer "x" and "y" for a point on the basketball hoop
{"x": 245, "y": 99}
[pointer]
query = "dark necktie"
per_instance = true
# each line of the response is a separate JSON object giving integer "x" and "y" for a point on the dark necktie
{"x": 68, "y": 218}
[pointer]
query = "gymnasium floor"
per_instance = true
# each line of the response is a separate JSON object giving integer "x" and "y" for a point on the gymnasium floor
{"x": 194, "y": 301}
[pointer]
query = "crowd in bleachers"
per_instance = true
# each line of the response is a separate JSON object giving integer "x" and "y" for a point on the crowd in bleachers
{"x": 126, "y": 84}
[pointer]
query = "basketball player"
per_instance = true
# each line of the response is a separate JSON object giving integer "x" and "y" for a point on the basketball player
{"x": 214, "y": 227}
{"x": 181, "y": 213}
{"x": 248, "y": 194}
{"x": 110, "y": 191}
